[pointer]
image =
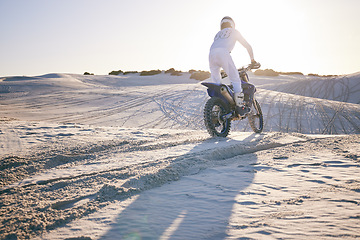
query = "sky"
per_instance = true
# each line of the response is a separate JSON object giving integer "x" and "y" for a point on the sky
{"x": 99, "y": 36}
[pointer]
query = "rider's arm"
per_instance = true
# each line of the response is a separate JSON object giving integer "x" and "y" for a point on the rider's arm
{"x": 246, "y": 45}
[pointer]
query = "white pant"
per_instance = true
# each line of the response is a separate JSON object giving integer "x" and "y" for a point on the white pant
{"x": 221, "y": 58}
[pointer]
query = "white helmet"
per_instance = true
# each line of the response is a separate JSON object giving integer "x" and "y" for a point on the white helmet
{"x": 229, "y": 20}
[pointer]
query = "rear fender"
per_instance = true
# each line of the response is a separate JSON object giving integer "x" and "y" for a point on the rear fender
{"x": 214, "y": 90}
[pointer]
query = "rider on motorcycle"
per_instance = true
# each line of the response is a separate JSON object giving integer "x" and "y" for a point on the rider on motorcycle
{"x": 220, "y": 57}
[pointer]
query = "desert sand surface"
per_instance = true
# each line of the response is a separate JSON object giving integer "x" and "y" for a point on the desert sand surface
{"x": 128, "y": 157}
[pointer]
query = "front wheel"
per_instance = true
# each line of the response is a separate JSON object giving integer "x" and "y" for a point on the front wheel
{"x": 214, "y": 109}
{"x": 255, "y": 117}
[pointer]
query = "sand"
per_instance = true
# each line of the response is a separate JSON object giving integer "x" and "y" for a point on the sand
{"x": 128, "y": 157}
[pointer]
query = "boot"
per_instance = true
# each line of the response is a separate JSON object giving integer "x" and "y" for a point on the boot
{"x": 239, "y": 98}
{"x": 241, "y": 108}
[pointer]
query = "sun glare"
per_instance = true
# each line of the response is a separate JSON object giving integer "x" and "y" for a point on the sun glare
{"x": 273, "y": 31}
{"x": 277, "y": 31}
{"x": 284, "y": 35}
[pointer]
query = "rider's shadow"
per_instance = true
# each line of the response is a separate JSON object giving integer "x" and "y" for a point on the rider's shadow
{"x": 198, "y": 206}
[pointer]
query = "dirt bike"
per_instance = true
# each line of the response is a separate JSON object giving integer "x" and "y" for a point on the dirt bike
{"x": 221, "y": 109}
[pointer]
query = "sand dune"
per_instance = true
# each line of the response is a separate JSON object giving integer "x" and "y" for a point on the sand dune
{"x": 342, "y": 88}
{"x": 125, "y": 100}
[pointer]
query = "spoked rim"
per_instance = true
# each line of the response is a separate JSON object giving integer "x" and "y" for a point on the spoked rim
{"x": 216, "y": 113}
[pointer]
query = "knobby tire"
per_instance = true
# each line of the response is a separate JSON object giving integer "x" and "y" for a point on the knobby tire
{"x": 214, "y": 108}
{"x": 256, "y": 126}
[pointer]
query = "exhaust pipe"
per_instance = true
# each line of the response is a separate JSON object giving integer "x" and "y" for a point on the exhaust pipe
{"x": 225, "y": 92}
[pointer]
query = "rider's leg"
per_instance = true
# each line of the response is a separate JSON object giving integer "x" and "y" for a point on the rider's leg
{"x": 221, "y": 58}
{"x": 233, "y": 74}
{"x": 230, "y": 69}
{"x": 236, "y": 82}
{"x": 215, "y": 67}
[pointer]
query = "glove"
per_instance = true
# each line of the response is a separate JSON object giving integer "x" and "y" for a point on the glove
{"x": 254, "y": 64}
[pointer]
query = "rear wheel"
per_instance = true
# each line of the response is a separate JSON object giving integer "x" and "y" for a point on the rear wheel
{"x": 214, "y": 109}
{"x": 255, "y": 117}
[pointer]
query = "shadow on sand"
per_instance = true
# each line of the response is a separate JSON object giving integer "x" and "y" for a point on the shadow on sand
{"x": 198, "y": 206}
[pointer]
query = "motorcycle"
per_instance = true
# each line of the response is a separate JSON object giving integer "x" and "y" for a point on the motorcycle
{"x": 221, "y": 108}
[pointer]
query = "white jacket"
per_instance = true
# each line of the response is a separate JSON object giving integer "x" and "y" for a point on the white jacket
{"x": 226, "y": 39}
